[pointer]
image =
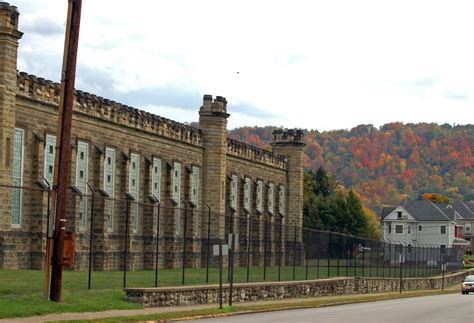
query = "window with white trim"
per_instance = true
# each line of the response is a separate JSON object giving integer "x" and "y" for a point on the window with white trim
{"x": 233, "y": 191}
{"x": 176, "y": 196}
{"x": 399, "y": 228}
{"x": 443, "y": 229}
{"x": 247, "y": 195}
{"x": 409, "y": 229}
{"x": 271, "y": 198}
{"x": 109, "y": 185}
{"x": 18, "y": 159}
{"x": 133, "y": 185}
{"x": 281, "y": 200}
{"x": 260, "y": 195}
{"x": 467, "y": 227}
{"x": 82, "y": 159}
{"x": 156, "y": 178}
{"x": 49, "y": 157}
{"x": 420, "y": 228}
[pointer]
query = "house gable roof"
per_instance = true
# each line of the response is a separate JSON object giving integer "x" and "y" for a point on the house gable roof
{"x": 464, "y": 211}
{"x": 425, "y": 210}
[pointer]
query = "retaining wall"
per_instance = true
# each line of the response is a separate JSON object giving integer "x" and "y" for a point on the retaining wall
{"x": 207, "y": 294}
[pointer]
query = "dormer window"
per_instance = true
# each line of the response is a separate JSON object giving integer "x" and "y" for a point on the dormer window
{"x": 399, "y": 214}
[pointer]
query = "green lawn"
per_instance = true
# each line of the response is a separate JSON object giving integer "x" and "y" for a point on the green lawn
{"x": 21, "y": 290}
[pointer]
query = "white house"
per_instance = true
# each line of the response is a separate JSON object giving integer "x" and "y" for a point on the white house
{"x": 421, "y": 222}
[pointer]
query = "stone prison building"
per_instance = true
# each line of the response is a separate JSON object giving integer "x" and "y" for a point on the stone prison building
{"x": 120, "y": 151}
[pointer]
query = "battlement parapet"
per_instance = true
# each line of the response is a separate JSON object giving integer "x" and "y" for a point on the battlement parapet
{"x": 253, "y": 153}
{"x": 92, "y": 105}
{"x": 293, "y": 137}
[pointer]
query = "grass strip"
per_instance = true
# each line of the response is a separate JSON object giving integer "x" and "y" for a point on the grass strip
{"x": 270, "y": 306}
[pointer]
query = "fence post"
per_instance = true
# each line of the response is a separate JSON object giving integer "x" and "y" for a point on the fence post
{"x": 184, "y": 242}
{"x": 294, "y": 254}
{"x": 329, "y": 254}
{"x": 346, "y": 254}
{"x": 362, "y": 244}
{"x": 265, "y": 223}
{"x": 249, "y": 236}
{"x": 91, "y": 237}
{"x": 281, "y": 242}
{"x": 158, "y": 206}
{"x": 208, "y": 241}
{"x": 47, "y": 267}
{"x": 338, "y": 253}
{"x": 127, "y": 220}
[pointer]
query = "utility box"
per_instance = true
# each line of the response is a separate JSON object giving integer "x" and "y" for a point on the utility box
{"x": 69, "y": 250}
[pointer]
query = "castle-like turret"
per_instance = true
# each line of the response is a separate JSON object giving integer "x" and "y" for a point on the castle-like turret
{"x": 213, "y": 123}
{"x": 289, "y": 143}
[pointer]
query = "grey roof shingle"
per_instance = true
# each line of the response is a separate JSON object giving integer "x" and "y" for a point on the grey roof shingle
{"x": 463, "y": 210}
{"x": 386, "y": 210}
{"x": 425, "y": 210}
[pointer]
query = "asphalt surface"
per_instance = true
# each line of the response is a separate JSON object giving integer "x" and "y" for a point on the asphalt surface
{"x": 432, "y": 309}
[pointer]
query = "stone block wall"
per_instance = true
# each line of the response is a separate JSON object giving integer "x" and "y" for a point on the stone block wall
{"x": 193, "y": 295}
{"x": 30, "y": 103}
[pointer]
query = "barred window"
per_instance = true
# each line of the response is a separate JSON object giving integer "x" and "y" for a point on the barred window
{"x": 18, "y": 152}
{"x": 109, "y": 185}
{"x": 156, "y": 178}
{"x": 233, "y": 191}
{"x": 271, "y": 198}
{"x": 282, "y": 200}
{"x": 49, "y": 157}
{"x": 260, "y": 195}
{"x": 247, "y": 195}
{"x": 81, "y": 180}
{"x": 133, "y": 188}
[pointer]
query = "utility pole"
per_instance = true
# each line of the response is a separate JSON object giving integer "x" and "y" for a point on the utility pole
{"x": 63, "y": 143}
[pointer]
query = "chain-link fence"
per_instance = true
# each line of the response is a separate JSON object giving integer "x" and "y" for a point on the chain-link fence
{"x": 120, "y": 242}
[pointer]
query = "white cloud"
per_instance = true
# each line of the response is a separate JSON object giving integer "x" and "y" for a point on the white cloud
{"x": 311, "y": 64}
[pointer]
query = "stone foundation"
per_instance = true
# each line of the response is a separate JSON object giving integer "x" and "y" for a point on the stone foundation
{"x": 193, "y": 295}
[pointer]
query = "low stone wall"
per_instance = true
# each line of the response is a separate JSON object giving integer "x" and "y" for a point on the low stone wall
{"x": 207, "y": 294}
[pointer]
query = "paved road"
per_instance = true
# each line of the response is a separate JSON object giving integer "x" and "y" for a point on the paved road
{"x": 429, "y": 309}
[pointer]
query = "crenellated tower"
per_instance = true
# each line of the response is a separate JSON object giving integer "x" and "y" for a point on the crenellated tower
{"x": 290, "y": 144}
{"x": 213, "y": 123}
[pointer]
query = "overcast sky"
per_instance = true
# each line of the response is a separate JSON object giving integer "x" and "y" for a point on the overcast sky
{"x": 324, "y": 65}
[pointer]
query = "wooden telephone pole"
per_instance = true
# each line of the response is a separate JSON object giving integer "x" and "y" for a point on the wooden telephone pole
{"x": 63, "y": 144}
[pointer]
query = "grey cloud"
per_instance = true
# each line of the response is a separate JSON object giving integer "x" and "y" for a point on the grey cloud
{"x": 42, "y": 26}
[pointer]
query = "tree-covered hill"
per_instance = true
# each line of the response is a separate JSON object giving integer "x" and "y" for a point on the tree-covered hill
{"x": 387, "y": 164}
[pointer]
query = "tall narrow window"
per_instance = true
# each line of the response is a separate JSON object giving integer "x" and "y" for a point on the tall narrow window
{"x": 233, "y": 191}
{"x": 195, "y": 184}
{"x": 49, "y": 156}
{"x": 133, "y": 188}
{"x": 156, "y": 178}
{"x": 247, "y": 195}
{"x": 271, "y": 198}
{"x": 18, "y": 151}
{"x": 109, "y": 185}
{"x": 176, "y": 196}
{"x": 81, "y": 180}
{"x": 281, "y": 200}
{"x": 443, "y": 229}
{"x": 195, "y": 177}
{"x": 260, "y": 195}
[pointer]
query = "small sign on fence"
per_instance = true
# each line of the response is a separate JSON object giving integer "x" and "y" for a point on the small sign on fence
{"x": 215, "y": 250}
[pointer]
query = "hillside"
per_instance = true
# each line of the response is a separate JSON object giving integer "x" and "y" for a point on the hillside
{"x": 393, "y": 162}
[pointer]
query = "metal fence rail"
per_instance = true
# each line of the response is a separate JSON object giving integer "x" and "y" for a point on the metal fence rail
{"x": 121, "y": 242}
